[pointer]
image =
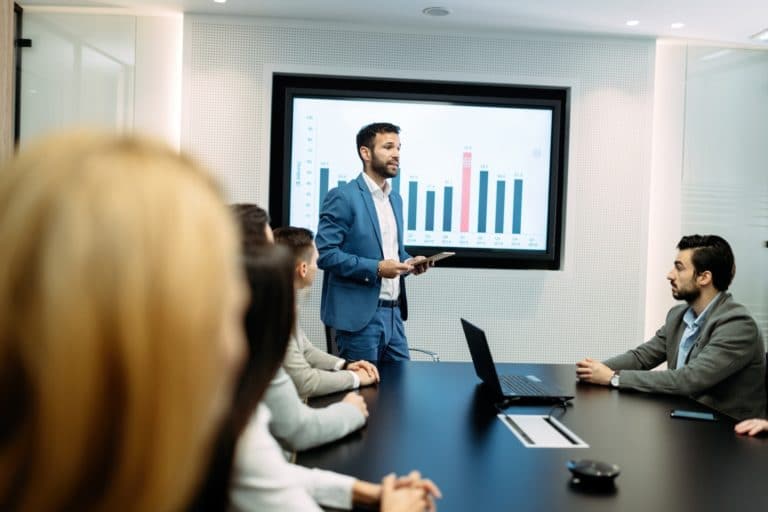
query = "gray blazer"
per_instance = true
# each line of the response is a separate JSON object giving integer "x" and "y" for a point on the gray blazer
{"x": 312, "y": 370}
{"x": 300, "y": 427}
{"x": 726, "y": 366}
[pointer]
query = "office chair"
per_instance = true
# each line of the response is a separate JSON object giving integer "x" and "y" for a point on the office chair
{"x": 332, "y": 348}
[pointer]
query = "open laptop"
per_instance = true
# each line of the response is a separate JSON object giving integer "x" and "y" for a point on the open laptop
{"x": 527, "y": 388}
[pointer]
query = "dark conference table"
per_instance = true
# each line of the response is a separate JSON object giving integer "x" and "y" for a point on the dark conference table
{"x": 437, "y": 418}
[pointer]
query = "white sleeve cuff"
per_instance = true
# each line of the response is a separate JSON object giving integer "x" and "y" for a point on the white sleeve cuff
{"x": 355, "y": 380}
{"x": 340, "y": 364}
{"x": 332, "y": 489}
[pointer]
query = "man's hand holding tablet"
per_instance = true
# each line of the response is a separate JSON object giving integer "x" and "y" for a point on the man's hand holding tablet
{"x": 420, "y": 264}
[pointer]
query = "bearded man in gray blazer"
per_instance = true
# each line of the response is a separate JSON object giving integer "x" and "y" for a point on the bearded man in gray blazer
{"x": 712, "y": 346}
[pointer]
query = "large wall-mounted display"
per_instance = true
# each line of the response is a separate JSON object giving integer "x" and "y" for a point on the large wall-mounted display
{"x": 482, "y": 167}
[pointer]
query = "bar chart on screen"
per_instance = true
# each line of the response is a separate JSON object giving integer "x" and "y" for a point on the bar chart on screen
{"x": 484, "y": 187}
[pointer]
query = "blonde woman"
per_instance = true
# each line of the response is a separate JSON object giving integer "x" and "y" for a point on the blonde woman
{"x": 121, "y": 302}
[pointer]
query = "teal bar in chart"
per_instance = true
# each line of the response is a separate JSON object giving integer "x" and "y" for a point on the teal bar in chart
{"x": 482, "y": 214}
{"x": 430, "y": 221}
{"x": 500, "y": 190}
{"x": 517, "y": 207}
{"x": 413, "y": 190}
{"x": 323, "y": 184}
{"x": 396, "y": 182}
{"x": 447, "y": 209}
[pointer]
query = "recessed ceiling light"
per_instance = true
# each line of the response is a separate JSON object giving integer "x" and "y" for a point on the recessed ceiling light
{"x": 761, "y": 36}
{"x": 677, "y": 25}
{"x": 436, "y": 11}
{"x": 633, "y": 23}
{"x": 220, "y": 1}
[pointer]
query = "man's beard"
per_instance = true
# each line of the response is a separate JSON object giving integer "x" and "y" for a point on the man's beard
{"x": 688, "y": 295}
{"x": 382, "y": 168}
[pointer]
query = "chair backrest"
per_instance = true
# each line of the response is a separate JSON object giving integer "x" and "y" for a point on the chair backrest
{"x": 330, "y": 341}
{"x": 332, "y": 348}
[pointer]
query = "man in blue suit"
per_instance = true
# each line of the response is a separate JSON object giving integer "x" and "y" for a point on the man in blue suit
{"x": 360, "y": 242}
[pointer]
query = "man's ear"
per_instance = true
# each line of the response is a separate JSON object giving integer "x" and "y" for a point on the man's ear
{"x": 704, "y": 278}
{"x": 365, "y": 153}
{"x": 301, "y": 269}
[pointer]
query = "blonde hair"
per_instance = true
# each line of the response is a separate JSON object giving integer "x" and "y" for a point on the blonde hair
{"x": 116, "y": 257}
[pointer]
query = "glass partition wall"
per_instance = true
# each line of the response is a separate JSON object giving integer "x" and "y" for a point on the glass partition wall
{"x": 725, "y": 162}
{"x": 78, "y": 72}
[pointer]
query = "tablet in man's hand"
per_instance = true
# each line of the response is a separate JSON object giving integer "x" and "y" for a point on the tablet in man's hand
{"x": 437, "y": 257}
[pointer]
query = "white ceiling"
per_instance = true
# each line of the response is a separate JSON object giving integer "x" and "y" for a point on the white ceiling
{"x": 731, "y": 22}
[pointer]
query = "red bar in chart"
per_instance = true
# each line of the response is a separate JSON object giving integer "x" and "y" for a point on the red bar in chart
{"x": 466, "y": 175}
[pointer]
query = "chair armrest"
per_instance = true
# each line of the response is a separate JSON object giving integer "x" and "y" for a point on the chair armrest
{"x": 433, "y": 355}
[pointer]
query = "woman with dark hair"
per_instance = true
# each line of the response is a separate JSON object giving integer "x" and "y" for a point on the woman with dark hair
{"x": 254, "y": 465}
{"x": 295, "y": 425}
{"x": 269, "y": 273}
{"x": 268, "y": 323}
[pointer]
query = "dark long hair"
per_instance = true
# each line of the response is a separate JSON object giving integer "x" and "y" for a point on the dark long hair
{"x": 268, "y": 323}
{"x": 253, "y": 221}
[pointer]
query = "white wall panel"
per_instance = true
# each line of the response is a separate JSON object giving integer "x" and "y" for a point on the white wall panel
{"x": 157, "y": 110}
{"x": 664, "y": 229}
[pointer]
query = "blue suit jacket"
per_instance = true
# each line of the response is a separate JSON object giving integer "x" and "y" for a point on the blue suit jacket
{"x": 349, "y": 243}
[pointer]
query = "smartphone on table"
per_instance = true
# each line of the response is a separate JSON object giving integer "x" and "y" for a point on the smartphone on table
{"x": 692, "y": 415}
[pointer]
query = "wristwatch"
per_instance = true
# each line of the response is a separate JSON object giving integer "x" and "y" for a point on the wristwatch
{"x": 615, "y": 379}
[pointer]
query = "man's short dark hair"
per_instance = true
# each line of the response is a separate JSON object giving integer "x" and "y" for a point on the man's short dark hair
{"x": 711, "y": 252}
{"x": 253, "y": 222}
{"x": 367, "y": 134}
{"x": 298, "y": 240}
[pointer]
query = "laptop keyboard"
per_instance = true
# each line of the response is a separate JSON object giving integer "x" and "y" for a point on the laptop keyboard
{"x": 520, "y": 385}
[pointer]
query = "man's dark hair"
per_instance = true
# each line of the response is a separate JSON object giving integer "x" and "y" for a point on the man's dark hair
{"x": 367, "y": 134}
{"x": 253, "y": 221}
{"x": 298, "y": 240}
{"x": 711, "y": 252}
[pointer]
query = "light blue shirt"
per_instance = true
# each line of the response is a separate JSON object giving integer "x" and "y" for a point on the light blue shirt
{"x": 691, "y": 333}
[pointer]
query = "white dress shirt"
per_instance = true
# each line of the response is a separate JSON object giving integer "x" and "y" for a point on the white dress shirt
{"x": 390, "y": 288}
{"x": 263, "y": 480}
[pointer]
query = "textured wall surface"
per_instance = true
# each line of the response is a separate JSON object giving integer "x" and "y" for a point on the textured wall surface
{"x": 595, "y": 304}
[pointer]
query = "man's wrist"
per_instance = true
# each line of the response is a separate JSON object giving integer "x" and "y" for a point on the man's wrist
{"x": 614, "y": 381}
{"x": 355, "y": 379}
{"x": 378, "y": 268}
